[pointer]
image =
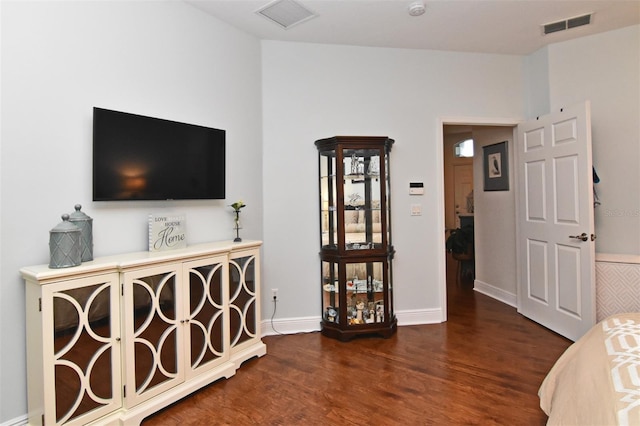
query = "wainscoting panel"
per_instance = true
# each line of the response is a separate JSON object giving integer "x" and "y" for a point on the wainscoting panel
{"x": 617, "y": 284}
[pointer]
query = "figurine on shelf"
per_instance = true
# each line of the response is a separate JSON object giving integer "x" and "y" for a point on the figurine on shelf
{"x": 355, "y": 199}
{"x": 359, "y": 309}
{"x": 331, "y": 314}
{"x": 354, "y": 164}
{"x": 374, "y": 166}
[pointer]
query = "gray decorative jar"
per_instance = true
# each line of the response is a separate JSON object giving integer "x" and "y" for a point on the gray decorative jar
{"x": 85, "y": 223}
{"x": 64, "y": 244}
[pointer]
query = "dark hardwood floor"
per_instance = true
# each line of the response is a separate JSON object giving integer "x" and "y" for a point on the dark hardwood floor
{"x": 482, "y": 367}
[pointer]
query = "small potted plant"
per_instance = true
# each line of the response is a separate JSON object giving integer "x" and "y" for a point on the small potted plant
{"x": 460, "y": 240}
{"x": 236, "y": 208}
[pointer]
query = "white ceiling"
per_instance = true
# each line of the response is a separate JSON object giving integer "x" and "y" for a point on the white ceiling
{"x": 484, "y": 26}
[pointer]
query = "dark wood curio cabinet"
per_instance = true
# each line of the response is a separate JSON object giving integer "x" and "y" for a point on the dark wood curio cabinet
{"x": 355, "y": 230}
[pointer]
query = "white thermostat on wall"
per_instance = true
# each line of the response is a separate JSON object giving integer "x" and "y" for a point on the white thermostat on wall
{"x": 416, "y": 188}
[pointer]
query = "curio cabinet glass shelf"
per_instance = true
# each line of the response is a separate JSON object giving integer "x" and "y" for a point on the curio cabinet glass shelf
{"x": 355, "y": 229}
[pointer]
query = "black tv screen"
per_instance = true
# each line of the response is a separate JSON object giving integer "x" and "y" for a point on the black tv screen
{"x": 144, "y": 158}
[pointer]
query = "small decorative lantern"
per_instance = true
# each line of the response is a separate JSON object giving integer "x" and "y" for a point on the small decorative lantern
{"x": 85, "y": 223}
{"x": 64, "y": 244}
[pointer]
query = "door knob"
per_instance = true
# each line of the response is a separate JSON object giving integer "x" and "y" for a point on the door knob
{"x": 583, "y": 236}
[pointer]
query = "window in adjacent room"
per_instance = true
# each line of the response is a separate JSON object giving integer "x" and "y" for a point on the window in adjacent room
{"x": 463, "y": 148}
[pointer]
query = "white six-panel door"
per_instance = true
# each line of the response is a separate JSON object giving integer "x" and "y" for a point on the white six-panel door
{"x": 555, "y": 245}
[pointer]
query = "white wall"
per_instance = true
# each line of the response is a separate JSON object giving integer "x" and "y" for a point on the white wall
{"x": 495, "y": 218}
{"x": 59, "y": 59}
{"x": 537, "y": 87}
{"x": 316, "y": 91}
{"x": 605, "y": 69}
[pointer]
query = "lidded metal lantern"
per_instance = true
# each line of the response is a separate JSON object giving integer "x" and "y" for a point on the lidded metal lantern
{"x": 64, "y": 244}
{"x": 85, "y": 223}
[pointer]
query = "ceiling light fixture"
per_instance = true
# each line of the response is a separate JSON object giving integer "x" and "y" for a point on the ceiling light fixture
{"x": 416, "y": 8}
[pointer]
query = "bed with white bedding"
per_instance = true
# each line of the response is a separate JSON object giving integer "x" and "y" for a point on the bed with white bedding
{"x": 597, "y": 380}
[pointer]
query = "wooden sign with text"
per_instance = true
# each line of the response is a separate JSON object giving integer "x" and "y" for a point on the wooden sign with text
{"x": 167, "y": 232}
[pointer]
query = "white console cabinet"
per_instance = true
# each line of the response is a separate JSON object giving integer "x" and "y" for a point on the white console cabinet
{"x": 116, "y": 339}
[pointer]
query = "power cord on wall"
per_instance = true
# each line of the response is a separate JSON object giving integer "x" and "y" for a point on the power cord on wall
{"x": 275, "y": 306}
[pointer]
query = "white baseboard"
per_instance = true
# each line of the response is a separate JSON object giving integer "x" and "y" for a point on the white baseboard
{"x": 496, "y": 293}
{"x": 311, "y": 324}
{"x": 290, "y": 325}
{"x": 18, "y": 421}
{"x": 419, "y": 316}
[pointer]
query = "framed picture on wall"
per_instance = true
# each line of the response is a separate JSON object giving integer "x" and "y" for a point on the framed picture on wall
{"x": 496, "y": 167}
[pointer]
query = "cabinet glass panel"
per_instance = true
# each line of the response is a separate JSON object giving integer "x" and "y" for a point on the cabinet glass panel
{"x": 206, "y": 321}
{"x": 389, "y": 305}
{"x": 387, "y": 201}
{"x": 330, "y": 295}
{"x": 155, "y": 333}
{"x": 362, "y": 219}
{"x": 328, "y": 197}
{"x": 83, "y": 350}
{"x": 365, "y": 293}
{"x": 242, "y": 299}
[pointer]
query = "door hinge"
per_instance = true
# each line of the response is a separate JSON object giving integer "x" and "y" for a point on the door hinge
{"x": 122, "y": 289}
{"x": 124, "y": 391}
{"x": 43, "y": 420}
{"x": 40, "y": 310}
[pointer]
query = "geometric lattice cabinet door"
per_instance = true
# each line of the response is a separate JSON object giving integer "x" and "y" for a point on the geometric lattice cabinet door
{"x": 82, "y": 348}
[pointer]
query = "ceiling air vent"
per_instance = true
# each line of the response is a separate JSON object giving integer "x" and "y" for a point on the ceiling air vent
{"x": 285, "y": 13}
{"x": 578, "y": 21}
{"x": 555, "y": 27}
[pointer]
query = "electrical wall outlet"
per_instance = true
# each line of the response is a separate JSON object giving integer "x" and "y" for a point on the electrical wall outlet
{"x": 274, "y": 293}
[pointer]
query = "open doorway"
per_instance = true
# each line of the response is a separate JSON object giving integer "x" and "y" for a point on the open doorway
{"x": 492, "y": 212}
{"x": 459, "y": 204}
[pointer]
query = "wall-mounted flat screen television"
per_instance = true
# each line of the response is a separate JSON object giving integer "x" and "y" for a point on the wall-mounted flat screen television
{"x": 145, "y": 158}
